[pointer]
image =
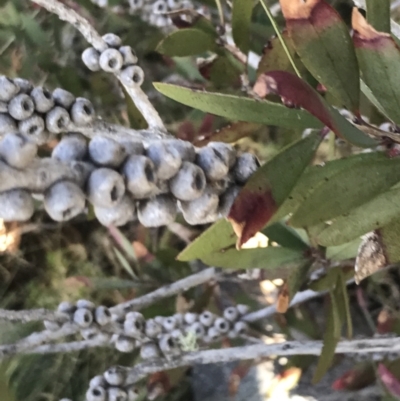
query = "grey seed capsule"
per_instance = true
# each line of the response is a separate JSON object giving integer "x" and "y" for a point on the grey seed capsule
{"x": 117, "y": 215}
{"x": 91, "y": 58}
{"x": 133, "y": 394}
{"x": 81, "y": 171}
{"x": 207, "y": 318}
{"x": 21, "y": 107}
{"x": 134, "y": 325}
{"x": 90, "y": 333}
{"x": 221, "y": 186}
{"x": 7, "y": 124}
{"x": 159, "y": 319}
{"x": 201, "y": 210}
{"x": 105, "y": 187}
{"x": 232, "y": 334}
{"x": 197, "y": 329}
{"x": 116, "y": 394}
{"x": 3, "y": 107}
{"x": 169, "y": 323}
{"x": 64, "y": 200}
{"x": 177, "y": 334}
{"x": 231, "y": 313}
{"x": 82, "y": 112}
{"x": 16, "y": 151}
{"x": 57, "y": 120}
{"x": 42, "y": 99}
{"x": 66, "y": 307}
{"x": 174, "y": 4}
{"x": 189, "y": 183}
{"x": 102, "y": 315}
{"x": 135, "y": 4}
{"x": 131, "y": 147}
{"x": 132, "y": 75}
{"x": 179, "y": 317}
{"x": 33, "y": 128}
{"x": 85, "y": 304}
{"x": 50, "y": 325}
{"x": 168, "y": 345}
{"x": 96, "y": 394}
{"x": 112, "y": 39}
{"x": 23, "y": 85}
{"x": 98, "y": 381}
{"x": 83, "y": 317}
{"x": 105, "y": 151}
{"x": 226, "y": 200}
{"x": 16, "y": 205}
{"x": 160, "y": 7}
{"x": 227, "y": 152}
{"x": 222, "y": 325}
{"x": 128, "y": 55}
{"x": 152, "y": 329}
{"x": 214, "y": 165}
{"x": 191, "y": 317}
{"x": 71, "y": 147}
{"x": 125, "y": 344}
{"x": 8, "y": 89}
{"x": 212, "y": 335}
{"x": 158, "y": 211}
{"x": 63, "y": 98}
{"x": 167, "y": 160}
{"x": 65, "y": 399}
{"x": 242, "y": 309}
{"x": 246, "y": 165}
{"x": 185, "y": 149}
{"x": 241, "y": 327}
{"x": 149, "y": 350}
{"x": 111, "y": 60}
{"x": 115, "y": 376}
{"x": 140, "y": 176}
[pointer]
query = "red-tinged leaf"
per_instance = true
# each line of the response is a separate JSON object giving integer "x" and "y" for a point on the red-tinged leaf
{"x": 358, "y": 377}
{"x": 322, "y": 40}
{"x": 186, "y": 131}
{"x": 390, "y": 381}
{"x": 378, "y": 14}
{"x": 379, "y": 59}
{"x": 295, "y": 92}
{"x": 268, "y": 188}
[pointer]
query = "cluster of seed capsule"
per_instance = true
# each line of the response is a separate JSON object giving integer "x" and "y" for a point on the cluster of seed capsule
{"x": 116, "y": 59}
{"x": 34, "y": 112}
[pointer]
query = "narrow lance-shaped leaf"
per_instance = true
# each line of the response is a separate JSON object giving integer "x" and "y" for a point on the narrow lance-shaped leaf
{"x": 322, "y": 40}
{"x": 390, "y": 381}
{"x": 268, "y": 188}
{"x": 295, "y": 92}
{"x": 343, "y": 302}
{"x": 241, "y": 18}
{"x": 378, "y": 14}
{"x": 239, "y": 108}
{"x": 379, "y": 59}
{"x": 285, "y": 236}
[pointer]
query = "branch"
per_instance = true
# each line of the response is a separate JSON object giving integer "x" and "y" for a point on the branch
{"x": 25, "y": 316}
{"x": 68, "y": 347}
{"x": 370, "y": 345}
{"x": 140, "y": 99}
{"x": 166, "y": 291}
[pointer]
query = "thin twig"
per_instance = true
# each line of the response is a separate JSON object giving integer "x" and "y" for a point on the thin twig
{"x": 25, "y": 316}
{"x": 72, "y": 346}
{"x": 140, "y": 99}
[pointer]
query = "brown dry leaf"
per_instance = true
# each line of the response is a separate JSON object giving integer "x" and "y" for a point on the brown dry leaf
{"x": 10, "y": 237}
{"x": 282, "y": 303}
{"x": 182, "y": 305}
{"x": 141, "y": 252}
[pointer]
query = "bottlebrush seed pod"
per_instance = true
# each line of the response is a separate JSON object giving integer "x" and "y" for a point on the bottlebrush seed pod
{"x": 201, "y": 210}
{"x": 51, "y": 326}
{"x": 90, "y": 333}
{"x": 140, "y": 176}
{"x": 112, "y": 39}
{"x": 81, "y": 171}
{"x": 212, "y": 335}
{"x": 96, "y": 394}
{"x": 168, "y": 345}
{"x": 16, "y": 151}
{"x": 169, "y": 323}
{"x": 189, "y": 183}
{"x": 231, "y": 313}
{"x": 222, "y": 325}
{"x": 98, "y": 381}
{"x": 160, "y": 7}
{"x": 212, "y": 163}
{"x": 102, "y": 315}
{"x": 33, "y": 129}
{"x": 135, "y": 5}
{"x": 116, "y": 394}
{"x": 242, "y": 309}
{"x": 85, "y": 304}
{"x": 21, "y": 107}
{"x": 158, "y": 211}
{"x": 63, "y": 98}
{"x": 115, "y": 376}
{"x": 3, "y": 107}
{"x": 207, "y": 318}
{"x": 134, "y": 325}
{"x": 83, "y": 317}
{"x": 23, "y": 85}
{"x": 91, "y": 58}
{"x": 197, "y": 329}
{"x": 152, "y": 329}
{"x": 16, "y": 205}
{"x": 111, "y": 60}
{"x": 42, "y": 99}
{"x": 8, "y": 89}
{"x": 149, "y": 350}
{"x": 57, "y": 120}
{"x": 117, "y": 215}
{"x": 82, "y": 112}
{"x": 190, "y": 317}
{"x": 128, "y": 55}
{"x": 105, "y": 151}
{"x": 179, "y": 317}
{"x": 133, "y": 394}
{"x": 227, "y": 152}
{"x": 125, "y": 344}
{"x": 132, "y": 75}
{"x": 167, "y": 160}
{"x": 7, "y": 124}
{"x": 71, "y": 147}
{"x": 241, "y": 327}
{"x": 246, "y": 165}
{"x": 185, "y": 149}
{"x": 105, "y": 187}
{"x": 64, "y": 200}
{"x": 66, "y": 307}
{"x": 226, "y": 200}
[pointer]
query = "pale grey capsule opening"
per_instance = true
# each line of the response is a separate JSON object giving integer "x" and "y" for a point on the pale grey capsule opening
{"x": 168, "y": 345}
{"x": 128, "y": 55}
{"x": 17, "y": 151}
{"x": 83, "y": 317}
{"x": 158, "y": 211}
{"x": 81, "y": 171}
{"x": 117, "y": 215}
{"x": 97, "y": 381}
{"x": 160, "y": 7}
{"x": 71, "y": 147}
{"x": 185, "y": 149}
{"x": 7, "y": 124}
{"x": 227, "y": 152}
{"x": 202, "y": 210}
{"x": 90, "y": 58}
{"x": 132, "y": 75}
{"x": 82, "y": 112}
{"x": 57, "y": 120}
{"x": 42, "y": 99}
{"x": 63, "y": 98}
{"x": 115, "y": 376}
{"x": 64, "y": 200}
{"x": 131, "y": 147}
{"x": 135, "y": 4}
{"x": 125, "y": 344}
{"x": 8, "y": 89}
{"x": 16, "y": 205}
{"x": 189, "y": 183}
{"x": 221, "y": 325}
{"x": 33, "y": 128}
{"x": 197, "y": 329}
{"x": 167, "y": 160}
{"x": 207, "y": 318}
{"x": 21, "y": 107}
{"x": 96, "y": 394}
{"x": 105, "y": 151}
{"x": 112, "y": 39}
{"x": 111, "y": 60}
{"x": 102, "y": 315}
{"x": 85, "y": 304}
{"x": 152, "y": 329}
{"x": 51, "y": 325}
{"x": 24, "y": 85}
{"x": 231, "y": 313}
{"x": 212, "y": 162}
{"x": 246, "y": 165}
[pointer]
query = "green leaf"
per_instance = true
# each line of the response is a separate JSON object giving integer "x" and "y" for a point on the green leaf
{"x": 241, "y": 18}
{"x": 186, "y": 42}
{"x": 345, "y": 251}
{"x": 285, "y": 236}
{"x": 371, "y": 215}
{"x": 342, "y": 298}
{"x": 269, "y": 187}
{"x": 379, "y": 58}
{"x": 136, "y": 119}
{"x": 322, "y": 40}
{"x": 224, "y": 73}
{"x": 390, "y": 239}
{"x": 378, "y": 14}
{"x": 347, "y": 190}
{"x": 239, "y": 108}
{"x": 298, "y": 277}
